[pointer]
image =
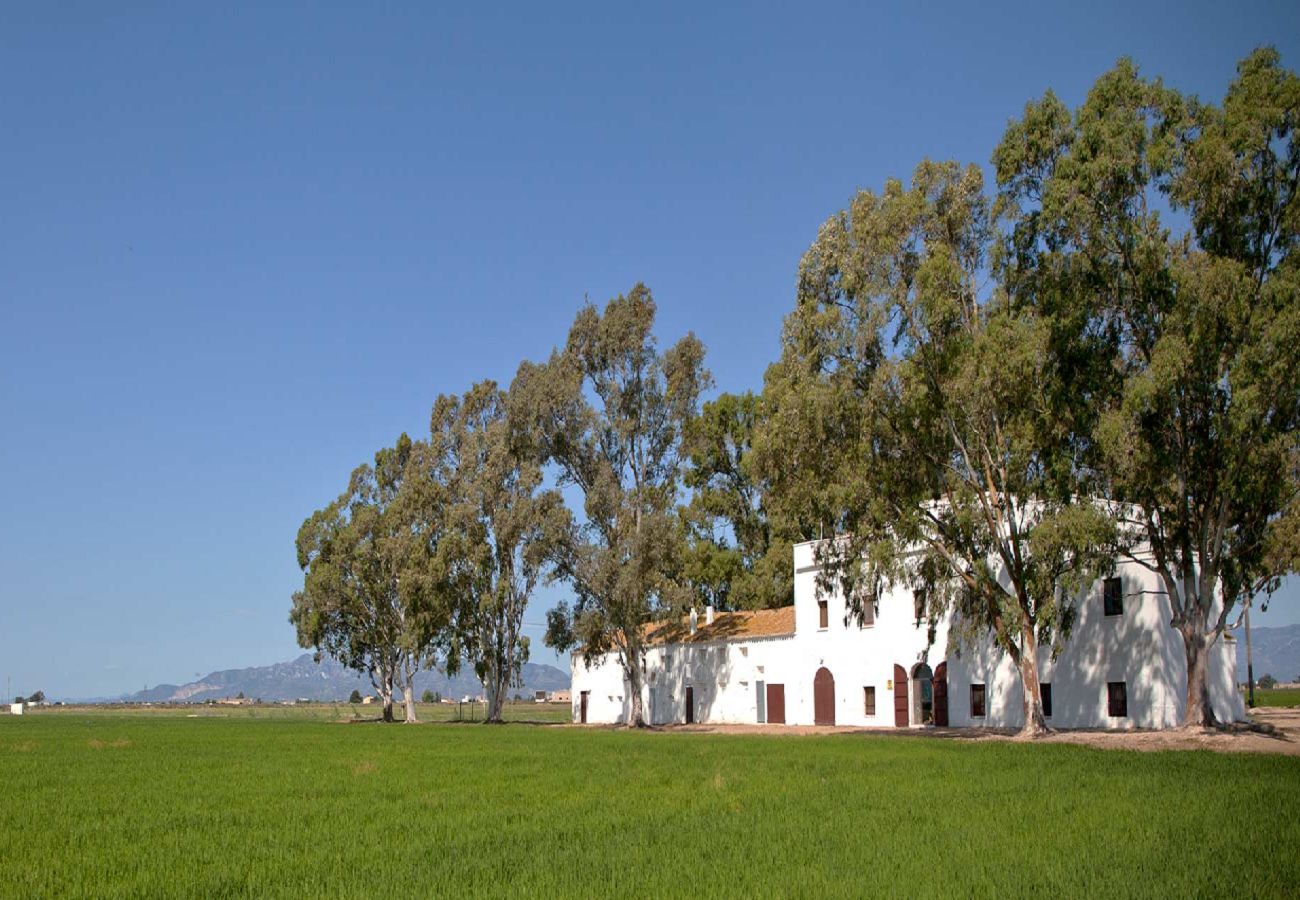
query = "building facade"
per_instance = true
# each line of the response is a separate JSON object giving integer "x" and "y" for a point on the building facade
{"x": 813, "y": 663}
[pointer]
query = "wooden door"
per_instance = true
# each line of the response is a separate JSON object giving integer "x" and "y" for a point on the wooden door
{"x": 690, "y": 705}
{"x": 941, "y": 695}
{"x": 824, "y": 697}
{"x": 900, "y": 697}
{"x": 776, "y": 704}
{"x": 583, "y": 707}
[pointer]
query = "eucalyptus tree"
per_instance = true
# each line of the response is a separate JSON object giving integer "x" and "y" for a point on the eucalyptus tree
{"x": 608, "y": 411}
{"x": 739, "y": 554}
{"x": 915, "y": 413}
{"x": 371, "y": 595}
{"x": 503, "y": 531}
{"x": 1197, "y": 435}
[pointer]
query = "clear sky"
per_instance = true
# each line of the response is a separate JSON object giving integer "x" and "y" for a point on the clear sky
{"x": 241, "y": 250}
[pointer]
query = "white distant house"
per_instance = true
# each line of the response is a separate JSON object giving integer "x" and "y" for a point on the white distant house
{"x": 1123, "y": 666}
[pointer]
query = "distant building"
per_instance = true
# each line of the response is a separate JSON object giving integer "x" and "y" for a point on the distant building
{"x": 559, "y": 697}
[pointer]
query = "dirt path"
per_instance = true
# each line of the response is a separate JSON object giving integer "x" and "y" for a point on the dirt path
{"x": 1285, "y": 724}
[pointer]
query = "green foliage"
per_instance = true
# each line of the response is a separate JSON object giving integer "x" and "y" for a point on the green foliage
{"x": 1198, "y": 326}
{"x": 1268, "y": 682}
{"x": 738, "y": 554}
{"x": 608, "y": 411}
{"x": 427, "y": 697}
{"x": 458, "y": 811}
{"x": 355, "y": 697}
{"x": 373, "y": 594}
{"x": 503, "y": 531}
{"x": 919, "y": 417}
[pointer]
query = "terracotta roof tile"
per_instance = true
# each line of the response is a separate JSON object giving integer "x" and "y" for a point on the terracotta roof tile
{"x": 727, "y": 626}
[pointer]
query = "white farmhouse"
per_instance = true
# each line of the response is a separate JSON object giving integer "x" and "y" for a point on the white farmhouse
{"x": 1123, "y": 666}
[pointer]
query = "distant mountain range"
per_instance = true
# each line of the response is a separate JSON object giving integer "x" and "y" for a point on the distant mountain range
{"x": 304, "y": 678}
{"x": 1276, "y": 652}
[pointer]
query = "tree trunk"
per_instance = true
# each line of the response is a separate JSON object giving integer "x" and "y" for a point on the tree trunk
{"x": 496, "y": 692}
{"x": 386, "y": 695}
{"x": 1198, "y": 713}
{"x": 1035, "y": 722}
{"x": 632, "y": 668}
{"x": 408, "y": 700}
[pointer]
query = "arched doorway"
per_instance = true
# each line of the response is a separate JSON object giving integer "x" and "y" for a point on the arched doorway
{"x": 824, "y": 697}
{"x": 941, "y": 695}
{"x": 922, "y": 694}
{"x": 900, "y": 696}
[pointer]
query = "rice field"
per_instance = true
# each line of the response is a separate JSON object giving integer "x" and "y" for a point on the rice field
{"x": 236, "y": 806}
{"x": 1288, "y": 697}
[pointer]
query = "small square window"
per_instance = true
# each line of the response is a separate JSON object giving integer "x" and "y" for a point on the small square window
{"x": 1112, "y": 594}
{"x": 869, "y": 701}
{"x": 1117, "y": 699}
{"x": 977, "y": 701}
{"x": 823, "y": 614}
{"x": 1045, "y": 689}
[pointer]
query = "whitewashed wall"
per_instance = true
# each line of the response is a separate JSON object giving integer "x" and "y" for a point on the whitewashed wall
{"x": 1138, "y": 648}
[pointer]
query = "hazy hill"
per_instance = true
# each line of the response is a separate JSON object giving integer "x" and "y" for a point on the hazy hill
{"x": 328, "y": 680}
{"x": 1276, "y": 651}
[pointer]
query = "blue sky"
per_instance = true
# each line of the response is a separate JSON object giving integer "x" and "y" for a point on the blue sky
{"x": 241, "y": 250}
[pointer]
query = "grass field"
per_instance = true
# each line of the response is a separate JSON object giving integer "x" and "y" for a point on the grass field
{"x": 1289, "y": 697}
{"x": 161, "y": 805}
{"x": 532, "y": 713}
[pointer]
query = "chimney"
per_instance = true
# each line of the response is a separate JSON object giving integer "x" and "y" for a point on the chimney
{"x": 708, "y": 615}
{"x": 694, "y": 619}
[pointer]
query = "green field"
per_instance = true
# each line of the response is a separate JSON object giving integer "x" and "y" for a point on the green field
{"x": 531, "y": 713}
{"x": 1277, "y": 697}
{"x": 161, "y": 805}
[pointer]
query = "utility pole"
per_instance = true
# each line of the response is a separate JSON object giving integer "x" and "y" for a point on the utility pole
{"x": 1250, "y": 661}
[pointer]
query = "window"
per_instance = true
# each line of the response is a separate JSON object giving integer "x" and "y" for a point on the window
{"x": 868, "y": 614}
{"x": 977, "y": 701}
{"x": 1117, "y": 699}
{"x": 1112, "y": 593}
{"x": 1045, "y": 689}
{"x": 823, "y": 615}
{"x": 869, "y": 701}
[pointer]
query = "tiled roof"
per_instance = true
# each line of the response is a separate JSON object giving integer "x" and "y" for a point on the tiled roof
{"x": 727, "y": 626}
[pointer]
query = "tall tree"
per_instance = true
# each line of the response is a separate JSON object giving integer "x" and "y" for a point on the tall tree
{"x": 371, "y": 595}
{"x": 503, "y": 531}
{"x": 609, "y": 411}
{"x": 916, "y": 415}
{"x": 739, "y": 555}
{"x": 1198, "y": 437}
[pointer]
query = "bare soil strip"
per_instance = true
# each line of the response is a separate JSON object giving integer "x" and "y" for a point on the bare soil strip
{"x": 1275, "y": 730}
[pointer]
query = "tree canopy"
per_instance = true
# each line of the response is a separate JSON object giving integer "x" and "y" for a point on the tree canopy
{"x": 1168, "y": 224}
{"x": 609, "y": 411}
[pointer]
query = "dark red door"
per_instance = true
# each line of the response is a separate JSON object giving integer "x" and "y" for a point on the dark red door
{"x": 941, "y": 695}
{"x": 776, "y": 704}
{"x": 824, "y": 697}
{"x": 690, "y": 705}
{"x": 583, "y": 718}
{"x": 900, "y": 697}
